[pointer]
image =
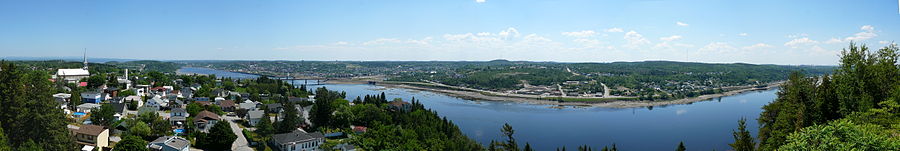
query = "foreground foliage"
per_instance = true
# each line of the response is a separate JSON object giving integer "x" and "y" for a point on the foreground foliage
{"x": 857, "y": 100}
{"x": 842, "y": 135}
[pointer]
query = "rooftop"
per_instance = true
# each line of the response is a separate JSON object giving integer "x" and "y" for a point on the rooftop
{"x": 171, "y": 141}
{"x": 296, "y": 136}
{"x": 90, "y": 129}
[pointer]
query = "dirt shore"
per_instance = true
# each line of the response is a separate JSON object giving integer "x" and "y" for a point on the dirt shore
{"x": 469, "y": 95}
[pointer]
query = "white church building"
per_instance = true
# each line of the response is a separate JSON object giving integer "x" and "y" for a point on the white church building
{"x": 74, "y": 75}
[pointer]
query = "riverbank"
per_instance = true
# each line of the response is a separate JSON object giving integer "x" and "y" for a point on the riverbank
{"x": 611, "y": 103}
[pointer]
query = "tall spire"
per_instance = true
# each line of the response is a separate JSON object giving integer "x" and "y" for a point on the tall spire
{"x": 85, "y": 60}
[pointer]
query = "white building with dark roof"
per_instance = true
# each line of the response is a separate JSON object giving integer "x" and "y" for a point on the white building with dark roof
{"x": 297, "y": 141}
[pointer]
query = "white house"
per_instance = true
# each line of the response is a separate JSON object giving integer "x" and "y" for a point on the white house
{"x": 254, "y": 116}
{"x": 135, "y": 98}
{"x": 157, "y": 102}
{"x": 297, "y": 141}
{"x": 62, "y": 99}
{"x": 87, "y": 107}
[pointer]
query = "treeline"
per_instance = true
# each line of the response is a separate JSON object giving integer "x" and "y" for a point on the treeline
{"x": 854, "y": 108}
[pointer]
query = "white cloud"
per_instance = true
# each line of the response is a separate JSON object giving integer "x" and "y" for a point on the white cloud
{"x": 381, "y": 41}
{"x": 800, "y": 41}
{"x": 480, "y": 1}
{"x": 509, "y": 32}
{"x": 867, "y": 33}
{"x": 742, "y": 34}
{"x": 580, "y": 34}
{"x": 885, "y": 42}
{"x": 670, "y": 38}
{"x": 833, "y": 41}
{"x": 614, "y": 30}
{"x": 635, "y": 40}
{"x": 867, "y": 28}
{"x": 681, "y": 24}
{"x": 757, "y": 46}
{"x": 718, "y": 47}
{"x": 797, "y": 35}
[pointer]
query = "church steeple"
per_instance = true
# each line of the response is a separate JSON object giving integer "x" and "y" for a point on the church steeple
{"x": 85, "y": 60}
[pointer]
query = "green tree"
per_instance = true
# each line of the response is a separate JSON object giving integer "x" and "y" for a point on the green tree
{"x": 4, "y": 144}
{"x": 103, "y": 116}
{"x": 511, "y": 144}
{"x": 743, "y": 141}
{"x": 220, "y": 137}
{"x": 193, "y": 108}
{"x": 528, "y": 147}
{"x": 323, "y": 109}
{"x": 290, "y": 119}
{"x": 96, "y": 80}
{"x": 842, "y": 135}
{"x": 265, "y": 128}
{"x": 139, "y": 129}
{"x": 30, "y": 145}
{"x": 680, "y": 147}
{"x": 28, "y": 113}
{"x": 131, "y": 143}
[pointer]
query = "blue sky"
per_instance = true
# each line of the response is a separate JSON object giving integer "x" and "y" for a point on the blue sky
{"x": 758, "y": 31}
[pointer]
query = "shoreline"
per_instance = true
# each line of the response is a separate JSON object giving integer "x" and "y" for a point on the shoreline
{"x": 469, "y": 95}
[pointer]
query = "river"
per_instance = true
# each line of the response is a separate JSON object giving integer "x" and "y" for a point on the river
{"x": 703, "y": 125}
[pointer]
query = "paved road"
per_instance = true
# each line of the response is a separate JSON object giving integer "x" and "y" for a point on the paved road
{"x": 241, "y": 143}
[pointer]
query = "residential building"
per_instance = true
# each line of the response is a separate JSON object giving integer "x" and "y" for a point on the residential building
{"x": 87, "y": 107}
{"x": 134, "y": 98}
{"x": 297, "y": 141}
{"x": 227, "y": 105}
{"x": 63, "y": 99}
{"x": 206, "y": 120}
{"x": 170, "y": 143}
{"x": 92, "y": 97}
{"x": 274, "y": 108}
{"x": 157, "y": 102}
{"x": 91, "y": 135}
{"x": 254, "y": 116}
{"x": 249, "y": 105}
{"x": 178, "y": 116}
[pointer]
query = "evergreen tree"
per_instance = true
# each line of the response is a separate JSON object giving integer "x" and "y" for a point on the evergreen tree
{"x": 4, "y": 144}
{"x": 680, "y": 147}
{"x": 290, "y": 120}
{"x": 528, "y": 147}
{"x": 264, "y": 128}
{"x": 511, "y": 144}
{"x": 30, "y": 145}
{"x": 28, "y": 113}
{"x": 220, "y": 137}
{"x": 743, "y": 141}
